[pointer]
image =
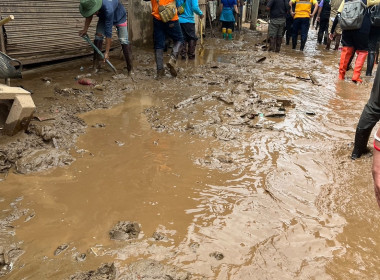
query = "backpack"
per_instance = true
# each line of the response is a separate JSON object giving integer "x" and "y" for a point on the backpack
{"x": 352, "y": 15}
{"x": 375, "y": 15}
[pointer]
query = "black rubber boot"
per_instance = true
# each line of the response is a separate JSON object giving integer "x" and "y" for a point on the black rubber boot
{"x": 127, "y": 51}
{"x": 320, "y": 37}
{"x": 361, "y": 140}
{"x": 278, "y": 44}
{"x": 159, "y": 55}
{"x": 272, "y": 44}
{"x": 294, "y": 44}
{"x": 287, "y": 40}
{"x": 191, "y": 50}
{"x": 99, "y": 44}
{"x": 183, "y": 50}
{"x": 303, "y": 42}
{"x": 370, "y": 63}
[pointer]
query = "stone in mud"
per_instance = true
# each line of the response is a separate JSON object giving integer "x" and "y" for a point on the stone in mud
{"x": 125, "y": 231}
{"x": 81, "y": 257}
{"x": 5, "y": 164}
{"x": 104, "y": 272}
{"x": 8, "y": 256}
{"x": 217, "y": 255}
{"x": 158, "y": 236}
{"x": 150, "y": 269}
{"x": 60, "y": 249}
{"x": 286, "y": 102}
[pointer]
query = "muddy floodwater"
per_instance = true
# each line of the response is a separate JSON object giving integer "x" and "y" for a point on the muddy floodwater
{"x": 239, "y": 168}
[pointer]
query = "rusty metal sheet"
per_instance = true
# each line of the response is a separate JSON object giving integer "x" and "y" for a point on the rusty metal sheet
{"x": 46, "y": 30}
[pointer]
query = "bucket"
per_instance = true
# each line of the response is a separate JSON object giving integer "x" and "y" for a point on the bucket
{"x": 7, "y": 70}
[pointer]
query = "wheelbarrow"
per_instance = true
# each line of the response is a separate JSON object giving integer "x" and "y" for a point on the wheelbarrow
{"x": 7, "y": 70}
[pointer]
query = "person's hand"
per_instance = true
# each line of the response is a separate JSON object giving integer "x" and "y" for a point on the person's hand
{"x": 238, "y": 14}
{"x": 82, "y": 33}
{"x": 318, "y": 19}
{"x": 331, "y": 36}
{"x": 106, "y": 56}
{"x": 201, "y": 16}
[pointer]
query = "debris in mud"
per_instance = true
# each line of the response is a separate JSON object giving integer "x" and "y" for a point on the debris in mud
{"x": 187, "y": 102}
{"x": 98, "y": 125}
{"x": 225, "y": 133}
{"x": 86, "y": 82}
{"x": 60, "y": 249}
{"x": 261, "y": 59}
{"x": 194, "y": 246}
{"x": 81, "y": 258}
{"x": 223, "y": 97}
{"x": 302, "y": 78}
{"x": 42, "y": 159}
{"x": 42, "y": 119}
{"x": 125, "y": 231}
{"x": 104, "y": 272}
{"x": 158, "y": 236}
{"x": 150, "y": 269}
{"x": 68, "y": 91}
{"x": 217, "y": 255}
{"x": 8, "y": 256}
{"x": 314, "y": 79}
{"x": 310, "y": 113}
{"x": 119, "y": 143}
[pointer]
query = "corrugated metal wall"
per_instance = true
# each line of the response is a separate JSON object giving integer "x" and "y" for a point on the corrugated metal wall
{"x": 46, "y": 30}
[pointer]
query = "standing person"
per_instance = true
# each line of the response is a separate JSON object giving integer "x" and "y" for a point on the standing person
{"x": 187, "y": 22}
{"x": 374, "y": 37}
{"x": 353, "y": 41}
{"x": 278, "y": 10}
{"x": 111, "y": 13}
{"x": 162, "y": 28}
{"x": 368, "y": 119}
{"x": 302, "y": 15}
{"x": 227, "y": 9}
{"x": 337, "y": 34}
{"x": 288, "y": 27}
{"x": 323, "y": 17}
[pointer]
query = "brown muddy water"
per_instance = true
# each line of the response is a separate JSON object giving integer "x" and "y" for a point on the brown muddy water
{"x": 233, "y": 170}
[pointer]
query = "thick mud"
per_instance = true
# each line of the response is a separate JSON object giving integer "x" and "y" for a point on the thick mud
{"x": 239, "y": 168}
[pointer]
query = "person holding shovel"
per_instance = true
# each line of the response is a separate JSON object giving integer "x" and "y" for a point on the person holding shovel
{"x": 186, "y": 10}
{"x": 111, "y": 13}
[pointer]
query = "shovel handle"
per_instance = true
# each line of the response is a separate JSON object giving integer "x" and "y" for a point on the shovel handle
{"x": 6, "y": 20}
{"x": 88, "y": 40}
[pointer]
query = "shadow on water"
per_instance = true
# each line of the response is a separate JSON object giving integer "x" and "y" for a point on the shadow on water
{"x": 232, "y": 198}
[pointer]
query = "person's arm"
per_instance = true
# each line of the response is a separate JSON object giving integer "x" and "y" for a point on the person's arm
{"x": 236, "y": 10}
{"x": 315, "y": 9}
{"x": 320, "y": 7}
{"x": 221, "y": 6}
{"x": 269, "y": 5}
{"x": 87, "y": 23}
{"x": 196, "y": 9}
{"x": 291, "y": 8}
{"x": 335, "y": 23}
{"x": 376, "y": 166}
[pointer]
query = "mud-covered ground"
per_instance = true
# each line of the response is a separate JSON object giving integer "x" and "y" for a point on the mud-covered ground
{"x": 237, "y": 169}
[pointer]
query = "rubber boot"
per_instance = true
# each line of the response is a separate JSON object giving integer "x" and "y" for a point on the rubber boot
{"x": 173, "y": 58}
{"x": 361, "y": 140}
{"x": 362, "y": 55}
{"x": 272, "y": 44}
{"x": 328, "y": 43}
{"x": 294, "y": 44}
{"x": 350, "y": 61}
{"x": 337, "y": 41}
{"x": 99, "y": 44}
{"x": 370, "y": 63}
{"x": 303, "y": 43}
{"x": 320, "y": 37}
{"x": 127, "y": 51}
{"x": 287, "y": 39}
{"x": 344, "y": 59}
{"x": 183, "y": 51}
{"x": 159, "y": 55}
{"x": 191, "y": 50}
{"x": 278, "y": 44}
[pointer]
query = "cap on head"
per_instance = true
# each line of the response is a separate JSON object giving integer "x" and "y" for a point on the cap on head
{"x": 89, "y": 7}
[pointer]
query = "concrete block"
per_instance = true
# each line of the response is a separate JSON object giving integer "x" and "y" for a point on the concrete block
{"x": 20, "y": 114}
{"x": 7, "y": 92}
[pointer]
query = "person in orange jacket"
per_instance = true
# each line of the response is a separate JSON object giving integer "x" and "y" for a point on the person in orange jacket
{"x": 162, "y": 28}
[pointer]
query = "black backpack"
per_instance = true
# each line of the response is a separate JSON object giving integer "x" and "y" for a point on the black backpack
{"x": 374, "y": 12}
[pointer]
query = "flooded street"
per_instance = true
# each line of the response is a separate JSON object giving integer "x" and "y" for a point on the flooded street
{"x": 236, "y": 169}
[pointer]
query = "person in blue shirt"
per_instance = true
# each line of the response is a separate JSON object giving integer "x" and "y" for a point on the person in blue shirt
{"x": 227, "y": 13}
{"x": 111, "y": 13}
{"x": 187, "y": 22}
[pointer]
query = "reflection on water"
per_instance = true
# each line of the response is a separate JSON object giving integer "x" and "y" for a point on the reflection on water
{"x": 286, "y": 204}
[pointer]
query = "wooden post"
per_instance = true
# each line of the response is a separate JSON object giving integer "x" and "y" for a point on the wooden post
{"x": 254, "y": 13}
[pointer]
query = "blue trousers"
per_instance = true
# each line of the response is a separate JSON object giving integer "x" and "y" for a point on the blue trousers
{"x": 303, "y": 25}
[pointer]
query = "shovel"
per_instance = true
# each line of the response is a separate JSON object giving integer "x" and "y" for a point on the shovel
{"x": 88, "y": 40}
{"x": 201, "y": 49}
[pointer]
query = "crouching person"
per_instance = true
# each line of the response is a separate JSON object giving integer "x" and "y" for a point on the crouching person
{"x": 165, "y": 22}
{"x": 111, "y": 13}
